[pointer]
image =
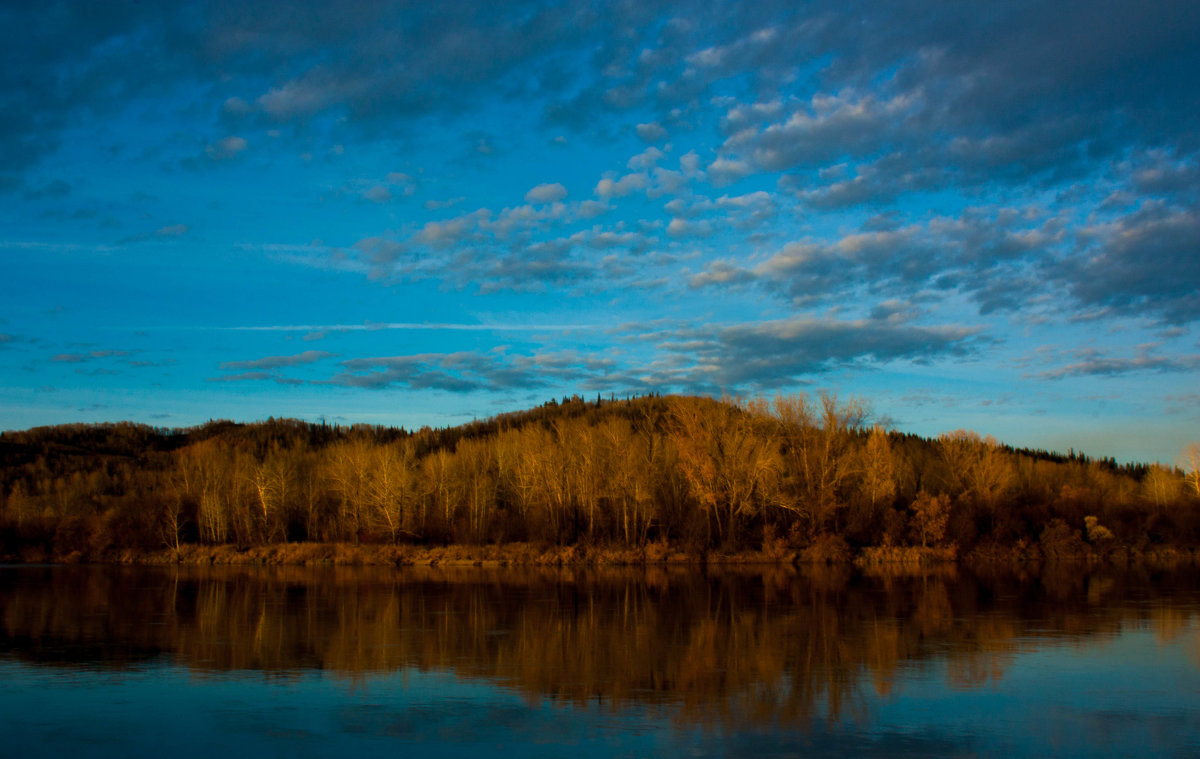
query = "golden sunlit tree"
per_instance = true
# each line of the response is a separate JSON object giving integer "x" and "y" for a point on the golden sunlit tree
{"x": 930, "y": 513}
{"x": 1161, "y": 486}
{"x": 1191, "y": 464}
{"x": 389, "y": 488}
{"x": 979, "y": 470}
{"x": 347, "y": 466}
{"x": 728, "y": 459}
{"x": 819, "y": 454}
{"x": 877, "y": 468}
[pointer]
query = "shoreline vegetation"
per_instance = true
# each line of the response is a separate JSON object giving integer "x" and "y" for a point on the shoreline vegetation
{"x": 889, "y": 559}
{"x": 641, "y": 481}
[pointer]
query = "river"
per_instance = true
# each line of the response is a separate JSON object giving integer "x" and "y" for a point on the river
{"x": 471, "y": 662}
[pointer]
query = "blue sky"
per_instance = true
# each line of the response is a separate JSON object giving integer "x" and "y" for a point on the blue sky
{"x": 982, "y": 217}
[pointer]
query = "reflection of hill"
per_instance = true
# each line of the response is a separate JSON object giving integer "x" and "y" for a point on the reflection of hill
{"x": 754, "y": 647}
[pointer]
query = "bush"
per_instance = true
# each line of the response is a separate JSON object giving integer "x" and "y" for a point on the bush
{"x": 826, "y": 549}
{"x": 1059, "y": 541}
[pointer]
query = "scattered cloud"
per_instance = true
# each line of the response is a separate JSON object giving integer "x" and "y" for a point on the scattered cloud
{"x": 652, "y": 132}
{"x": 169, "y": 232}
{"x": 78, "y": 358}
{"x": 377, "y": 194}
{"x": 226, "y": 148}
{"x": 546, "y": 193}
{"x": 257, "y": 377}
{"x": 723, "y": 171}
{"x": 465, "y": 372}
{"x": 1092, "y": 363}
{"x": 279, "y": 362}
{"x": 438, "y": 205}
{"x": 843, "y": 179}
{"x": 172, "y": 230}
{"x": 777, "y": 353}
{"x": 1145, "y": 262}
{"x": 610, "y": 187}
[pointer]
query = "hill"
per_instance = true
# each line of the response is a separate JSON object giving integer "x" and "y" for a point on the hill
{"x": 797, "y": 476}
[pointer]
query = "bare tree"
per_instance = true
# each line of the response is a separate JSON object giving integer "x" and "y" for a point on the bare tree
{"x": 818, "y": 447}
{"x": 1161, "y": 486}
{"x": 878, "y": 470}
{"x": 728, "y": 458}
{"x": 1191, "y": 464}
{"x": 977, "y": 467}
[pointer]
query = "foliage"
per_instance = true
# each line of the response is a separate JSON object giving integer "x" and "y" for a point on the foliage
{"x": 798, "y": 475}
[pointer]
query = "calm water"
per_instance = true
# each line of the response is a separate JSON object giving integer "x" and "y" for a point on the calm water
{"x": 103, "y": 661}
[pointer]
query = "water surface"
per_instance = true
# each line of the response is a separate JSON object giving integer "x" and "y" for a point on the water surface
{"x": 114, "y": 661}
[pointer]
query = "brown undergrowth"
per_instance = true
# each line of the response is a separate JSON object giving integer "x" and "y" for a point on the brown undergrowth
{"x": 830, "y": 552}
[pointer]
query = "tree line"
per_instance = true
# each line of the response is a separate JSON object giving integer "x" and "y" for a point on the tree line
{"x": 791, "y": 473}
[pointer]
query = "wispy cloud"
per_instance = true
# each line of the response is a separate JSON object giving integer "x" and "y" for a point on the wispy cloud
{"x": 414, "y": 326}
{"x": 1097, "y": 365}
{"x": 78, "y": 358}
{"x": 278, "y": 362}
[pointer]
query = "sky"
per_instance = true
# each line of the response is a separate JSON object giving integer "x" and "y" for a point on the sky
{"x": 970, "y": 216}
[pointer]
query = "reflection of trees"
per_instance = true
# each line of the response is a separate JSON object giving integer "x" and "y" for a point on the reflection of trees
{"x": 749, "y": 647}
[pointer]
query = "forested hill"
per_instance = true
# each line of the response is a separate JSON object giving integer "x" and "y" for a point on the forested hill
{"x": 797, "y": 474}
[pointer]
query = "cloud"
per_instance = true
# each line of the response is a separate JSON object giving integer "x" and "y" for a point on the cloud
{"x": 300, "y": 98}
{"x": 1159, "y": 173}
{"x": 1147, "y": 262}
{"x": 168, "y": 232}
{"x": 750, "y": 211}
{"x": 909, "y": 161}
{"x": 453, "y": 231}
{"x": 395, "y": 183}
{"x": 78, "y": 358}
{"x": 721, "y": 273}
{"x": 267, "y": 369}
{"x": 723, "y": 171}
{"x": 437, "y": 205}
{"x": 256, "y": 377}
{"x": 685, "y": 228}
{"x": 646, "y": 159}
{"x": 1093, "y": 364}
{"x": 466, "y": 372}
{"x": 652, "y": 132}
{"x": 515, "y": 249}
{"x": 279, "y": 362}
{"x": 829, "y": 128}
{"x": 151, "y": 364}
{"x": 776, "y": 354}
{"x": 770, "y": 352}
{"x": 985, "y": 254}
{"x": 689, "y": 208}
{"x": 609, "y": 187}
{"x": 875, "y": 183}
{"x": 419, "y": 326}
{"x": 226, "y": 148}
{"x": 378, "y": 65}
{"x": 236, "y": 107}
{"x": 894, "y": 311}
{"x": 546, "y": 193}
{"x": 377, "y": 194}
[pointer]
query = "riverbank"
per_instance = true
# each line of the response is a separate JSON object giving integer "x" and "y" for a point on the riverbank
{"x": 530, "y": 554}
{"x": 507, "y": 554}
